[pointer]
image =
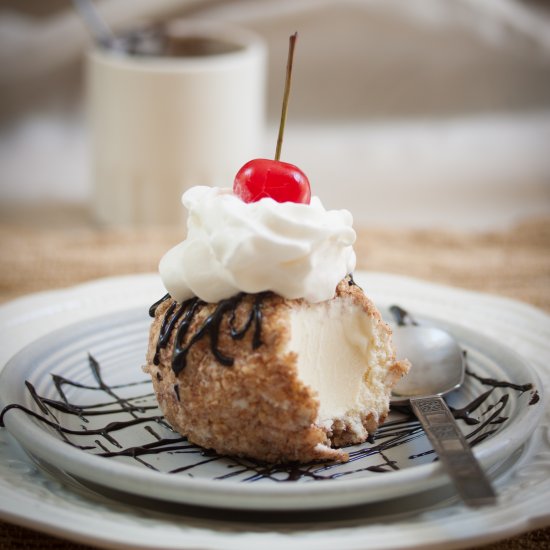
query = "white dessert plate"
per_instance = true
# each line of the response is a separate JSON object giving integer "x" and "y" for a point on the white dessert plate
{"x": 80, "y": 405}
{"x": 31, "y": 497}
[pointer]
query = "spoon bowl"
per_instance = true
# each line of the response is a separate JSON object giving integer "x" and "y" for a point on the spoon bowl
{"x": 438, "y": 363}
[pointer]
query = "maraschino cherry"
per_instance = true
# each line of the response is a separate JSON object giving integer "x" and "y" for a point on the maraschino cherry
{"x": 283, "y": 182}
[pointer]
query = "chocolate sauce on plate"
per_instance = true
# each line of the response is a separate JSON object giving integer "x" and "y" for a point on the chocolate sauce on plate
{"x": 485, "y": 413}
{"x": 141, "y": 410}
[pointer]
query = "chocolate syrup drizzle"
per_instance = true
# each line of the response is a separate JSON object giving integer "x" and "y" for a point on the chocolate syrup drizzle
{"x": 141, "y": 410}
{"x": 188, "y": 310}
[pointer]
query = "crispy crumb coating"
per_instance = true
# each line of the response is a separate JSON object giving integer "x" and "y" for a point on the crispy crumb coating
{"x": 259, "y": 407}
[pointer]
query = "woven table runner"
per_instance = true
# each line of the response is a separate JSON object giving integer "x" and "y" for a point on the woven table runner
{"x": 514, "y": 263}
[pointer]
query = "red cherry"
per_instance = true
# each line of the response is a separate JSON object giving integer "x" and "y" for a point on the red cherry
{"x": 281, "y": 181}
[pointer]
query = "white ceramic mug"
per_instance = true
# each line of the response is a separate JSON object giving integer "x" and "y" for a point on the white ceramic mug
{"x": 161, "y": 124}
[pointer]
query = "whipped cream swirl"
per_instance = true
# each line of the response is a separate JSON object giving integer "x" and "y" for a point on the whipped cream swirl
{"x": 295, "y": 250}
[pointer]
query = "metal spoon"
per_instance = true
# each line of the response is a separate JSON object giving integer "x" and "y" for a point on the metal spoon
{"x": 94, "y": 22}
{"x": 141, "y": 41}
{"x": 438, "y": 368}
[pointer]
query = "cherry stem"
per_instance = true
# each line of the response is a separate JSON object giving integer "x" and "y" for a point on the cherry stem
{"x": 291, "y": 46}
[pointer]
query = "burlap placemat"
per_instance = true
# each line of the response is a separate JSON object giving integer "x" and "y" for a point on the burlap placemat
{"x": 513, "y": 263}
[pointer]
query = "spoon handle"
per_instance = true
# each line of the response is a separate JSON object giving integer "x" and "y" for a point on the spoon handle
{"x": 453, "y": 450}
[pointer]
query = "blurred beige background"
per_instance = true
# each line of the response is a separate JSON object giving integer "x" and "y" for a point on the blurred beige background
{"x": 424, "y": 113}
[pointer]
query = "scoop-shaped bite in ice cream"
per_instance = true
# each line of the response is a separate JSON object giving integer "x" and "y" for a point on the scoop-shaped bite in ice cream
{"x": 264, "y": 346}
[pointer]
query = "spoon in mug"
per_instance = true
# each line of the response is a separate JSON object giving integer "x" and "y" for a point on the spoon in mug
{"x": 438, "y": 368}
{"x": 141, "y": 41}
